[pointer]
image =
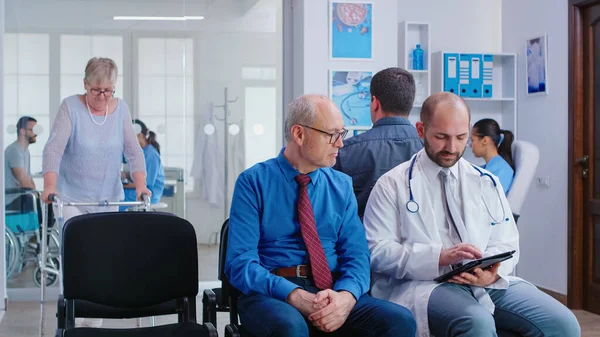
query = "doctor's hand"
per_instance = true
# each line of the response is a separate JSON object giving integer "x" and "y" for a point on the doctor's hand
{"x": 333, "y": 316}
{"x": 306, "y": 302}
{"x": 479, "y": 277}
{"x": 458, "y": 253}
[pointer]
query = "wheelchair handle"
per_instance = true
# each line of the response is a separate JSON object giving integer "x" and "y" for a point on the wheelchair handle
{"x": 53, "y": 197}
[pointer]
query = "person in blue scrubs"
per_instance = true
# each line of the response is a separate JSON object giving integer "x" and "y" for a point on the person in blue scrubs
{"x": 493, "y": 144}
{"x": 155, "y": 173}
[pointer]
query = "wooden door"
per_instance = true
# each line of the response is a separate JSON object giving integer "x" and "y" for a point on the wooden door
{"x": 591, "y": 165}
{"x": 584, "y": 259}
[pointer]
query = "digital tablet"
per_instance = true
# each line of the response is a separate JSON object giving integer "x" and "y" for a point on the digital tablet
{"x": 480, "y": 263}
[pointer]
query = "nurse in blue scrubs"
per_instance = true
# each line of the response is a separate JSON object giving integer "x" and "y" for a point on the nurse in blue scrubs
{"x": 155, "y": 173}
{"x": 493, "y": 144}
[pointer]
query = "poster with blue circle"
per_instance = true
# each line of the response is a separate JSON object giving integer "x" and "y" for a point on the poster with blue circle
{"x": 351, "y": 93}
{"x": 351, "y": 30}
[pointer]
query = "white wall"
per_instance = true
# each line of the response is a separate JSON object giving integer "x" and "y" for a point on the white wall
{"x": 543, "y": 120}
{"x": 458, "y": 25}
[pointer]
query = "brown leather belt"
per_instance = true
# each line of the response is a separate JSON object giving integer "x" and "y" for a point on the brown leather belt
{"x": 300, "y": 270}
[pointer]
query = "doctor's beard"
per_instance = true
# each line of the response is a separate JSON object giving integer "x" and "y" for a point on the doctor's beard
{"x": 439, "y": 158}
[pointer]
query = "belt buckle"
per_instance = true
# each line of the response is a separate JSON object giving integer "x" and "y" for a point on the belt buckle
{"x": 298, "y": 271}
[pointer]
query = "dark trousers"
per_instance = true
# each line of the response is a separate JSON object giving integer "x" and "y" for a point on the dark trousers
{"x": 261, "y": 315}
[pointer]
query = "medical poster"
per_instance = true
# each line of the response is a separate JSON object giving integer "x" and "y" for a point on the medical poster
{"x": 537, "y": 65}
{"x": 350, "y": 30}
{"x": 351, "y": 93}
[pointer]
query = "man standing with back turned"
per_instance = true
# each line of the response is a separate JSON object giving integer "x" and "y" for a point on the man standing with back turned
{"x": 391, "y": 141}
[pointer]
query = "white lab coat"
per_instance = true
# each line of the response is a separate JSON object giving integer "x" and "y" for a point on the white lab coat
{"x": 405, "y": 247}
{"x": 207, "y": 167}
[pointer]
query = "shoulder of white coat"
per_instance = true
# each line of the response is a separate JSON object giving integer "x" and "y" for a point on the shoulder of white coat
{"x": 473, "y": 169}
{"x": 469, "y": 168}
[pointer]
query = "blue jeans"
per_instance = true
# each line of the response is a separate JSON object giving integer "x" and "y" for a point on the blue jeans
{"x": 521, "y": 310}
{"x": 264, "y": 316}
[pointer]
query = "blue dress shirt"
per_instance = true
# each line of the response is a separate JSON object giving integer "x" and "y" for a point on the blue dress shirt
{"x": 501, "y": 169}
{"x": 368, "y": 156}
{"x": 264, "y": 232}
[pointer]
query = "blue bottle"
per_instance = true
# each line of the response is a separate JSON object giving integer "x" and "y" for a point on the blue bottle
{"x": 418, "y": 58}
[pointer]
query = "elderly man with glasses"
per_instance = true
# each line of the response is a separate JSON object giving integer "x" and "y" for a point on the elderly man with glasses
{"x": 297, "y": 250}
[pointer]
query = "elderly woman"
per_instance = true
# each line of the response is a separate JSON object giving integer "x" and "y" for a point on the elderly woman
{"x": 82, "y": 159}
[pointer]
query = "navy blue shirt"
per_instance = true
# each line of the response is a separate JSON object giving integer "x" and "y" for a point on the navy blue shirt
{"x": 264, "y": 232}
{"x": 368, "y": 156}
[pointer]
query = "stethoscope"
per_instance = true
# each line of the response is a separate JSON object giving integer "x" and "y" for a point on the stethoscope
{"x": 413, "y": 207}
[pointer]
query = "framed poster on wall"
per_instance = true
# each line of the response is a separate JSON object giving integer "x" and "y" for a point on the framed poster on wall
{"x": 351, "y": 93}
{"x": 350, "y": 30}
{"x": 537, "y": 65}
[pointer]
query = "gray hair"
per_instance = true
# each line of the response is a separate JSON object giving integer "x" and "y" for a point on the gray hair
{"x": 301, "y": 111}
{"x": 99, "y": 69}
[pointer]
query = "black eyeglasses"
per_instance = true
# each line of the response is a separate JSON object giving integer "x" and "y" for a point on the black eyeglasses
{"x": 333, "y": 137}
{"x": 106, "y": 93}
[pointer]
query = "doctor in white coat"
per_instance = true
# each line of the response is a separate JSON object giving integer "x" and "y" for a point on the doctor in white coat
{"x": 451, "y": 211}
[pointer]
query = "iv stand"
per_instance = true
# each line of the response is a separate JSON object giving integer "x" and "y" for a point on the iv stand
{"x": 225, "y": 118}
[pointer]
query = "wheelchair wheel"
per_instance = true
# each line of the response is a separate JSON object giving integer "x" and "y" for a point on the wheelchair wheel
{"x": 13, "y": 253}
{"x": 50, "y": 278}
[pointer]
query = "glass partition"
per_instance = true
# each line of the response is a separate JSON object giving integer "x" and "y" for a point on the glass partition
{"x": 176, "y": 60}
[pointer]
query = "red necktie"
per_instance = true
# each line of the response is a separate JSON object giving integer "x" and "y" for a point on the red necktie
{"x": 318, "y": 262}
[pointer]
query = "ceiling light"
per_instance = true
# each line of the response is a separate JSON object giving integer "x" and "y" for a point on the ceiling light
{"x": 158, "y": 18}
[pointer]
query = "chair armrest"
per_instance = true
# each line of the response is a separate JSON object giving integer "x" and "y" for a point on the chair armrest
{"x": 209, "y": 307}
{"x": 212, "y": 331}
{"x": 232, "y": 331}
{"x": 61, "y": 314}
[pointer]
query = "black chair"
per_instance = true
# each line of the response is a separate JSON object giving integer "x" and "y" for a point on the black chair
{"x": 126, "y": 265}
{"x": 223, "y": 299}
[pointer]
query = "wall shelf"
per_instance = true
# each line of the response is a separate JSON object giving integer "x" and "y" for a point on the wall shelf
{"x": 409, "y": 35}
{"x": 502, "y": 106}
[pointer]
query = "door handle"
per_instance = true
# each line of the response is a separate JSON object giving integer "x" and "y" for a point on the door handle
{"x": 584, "y": 174}
{"x": 583, "y": 161}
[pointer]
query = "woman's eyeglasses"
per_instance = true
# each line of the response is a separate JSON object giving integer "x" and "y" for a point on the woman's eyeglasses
{"x": 106, "y": 93}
